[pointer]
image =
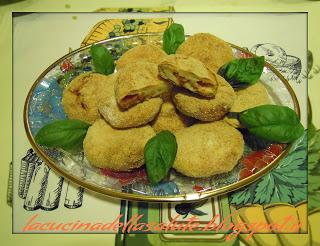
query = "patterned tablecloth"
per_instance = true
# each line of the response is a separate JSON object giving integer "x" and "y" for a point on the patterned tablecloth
{"x": 40, "y": 195}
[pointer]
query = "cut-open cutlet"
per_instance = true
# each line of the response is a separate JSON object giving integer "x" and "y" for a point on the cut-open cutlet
{"x": 190, "y": 73}
{"x": 138, "y": 82}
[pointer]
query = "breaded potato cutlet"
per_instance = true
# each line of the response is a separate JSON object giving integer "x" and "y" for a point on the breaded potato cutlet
{"x": 138, "y": 82}
{"x": 205, "y": 109}
{"x": 208, "y": 149}
{"x": 80, "y": 100}
{"x": 250, "y": 97}
{"x": 189, "y": 73}
{"x": 211, "y": 50}
{"x": 169, "y": 119}
{"x": 145, "y": 52}
{"x": 117, "y": 150}
{"x": 135, "y": 116}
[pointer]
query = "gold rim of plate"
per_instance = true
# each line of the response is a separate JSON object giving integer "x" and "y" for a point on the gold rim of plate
{"x": 197, "y": 196}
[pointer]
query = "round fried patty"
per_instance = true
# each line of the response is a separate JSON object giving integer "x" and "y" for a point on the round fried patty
{"x": 116, "y": 149}
{"x": 211, "y": 50}
{"x": 169, "y": 119}
{"x": 205, "y": 109}
{"x": 138, "y": 115}
{"x": 146, "y": 52}
{"x": 208, "y": 149}
{"x": 250, "y": 97}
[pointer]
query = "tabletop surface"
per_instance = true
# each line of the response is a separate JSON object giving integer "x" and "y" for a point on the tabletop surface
{"x": 41, "y": 32}
{"x": 70, "y": 30}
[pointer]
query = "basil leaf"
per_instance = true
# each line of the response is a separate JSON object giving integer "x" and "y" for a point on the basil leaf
{"x": 254, "y": 142}
{"x": 172, "y": 38}
{"x": 66, "y": 134}
{"x": 102, "y": 59}
{"x": 160, "y": 153}
{"x": 272, "y": 122}
{"x": 241, "y": 73}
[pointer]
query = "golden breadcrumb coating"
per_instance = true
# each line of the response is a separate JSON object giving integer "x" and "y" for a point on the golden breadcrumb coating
{"x": 211, "y": 50}
{"x": 169, "y": 119}
{"x": 118, "y": 150}
{"x": 80, "y": 100}
{"x": 135, "y": 116}
{"x": 146, "y": 52}
{"x": 138, "y": 82}
{"x": 252, "y": 96}
{"x": 205, "y": 109}
{"x": 208, "y": 149}
{"x": 189, "y": 73}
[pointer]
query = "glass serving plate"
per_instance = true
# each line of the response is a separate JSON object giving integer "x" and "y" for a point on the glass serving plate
{"x": 43, "y": 105}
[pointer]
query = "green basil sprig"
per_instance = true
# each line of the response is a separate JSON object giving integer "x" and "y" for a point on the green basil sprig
{"x": 65, "y": 134}
{"x": 172, "y": 38}
{"x": 160, "y": 153}
{"x": 102, "y": 59}
{"x": 241, "y": 73}
{"x": 272, "y": 122}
